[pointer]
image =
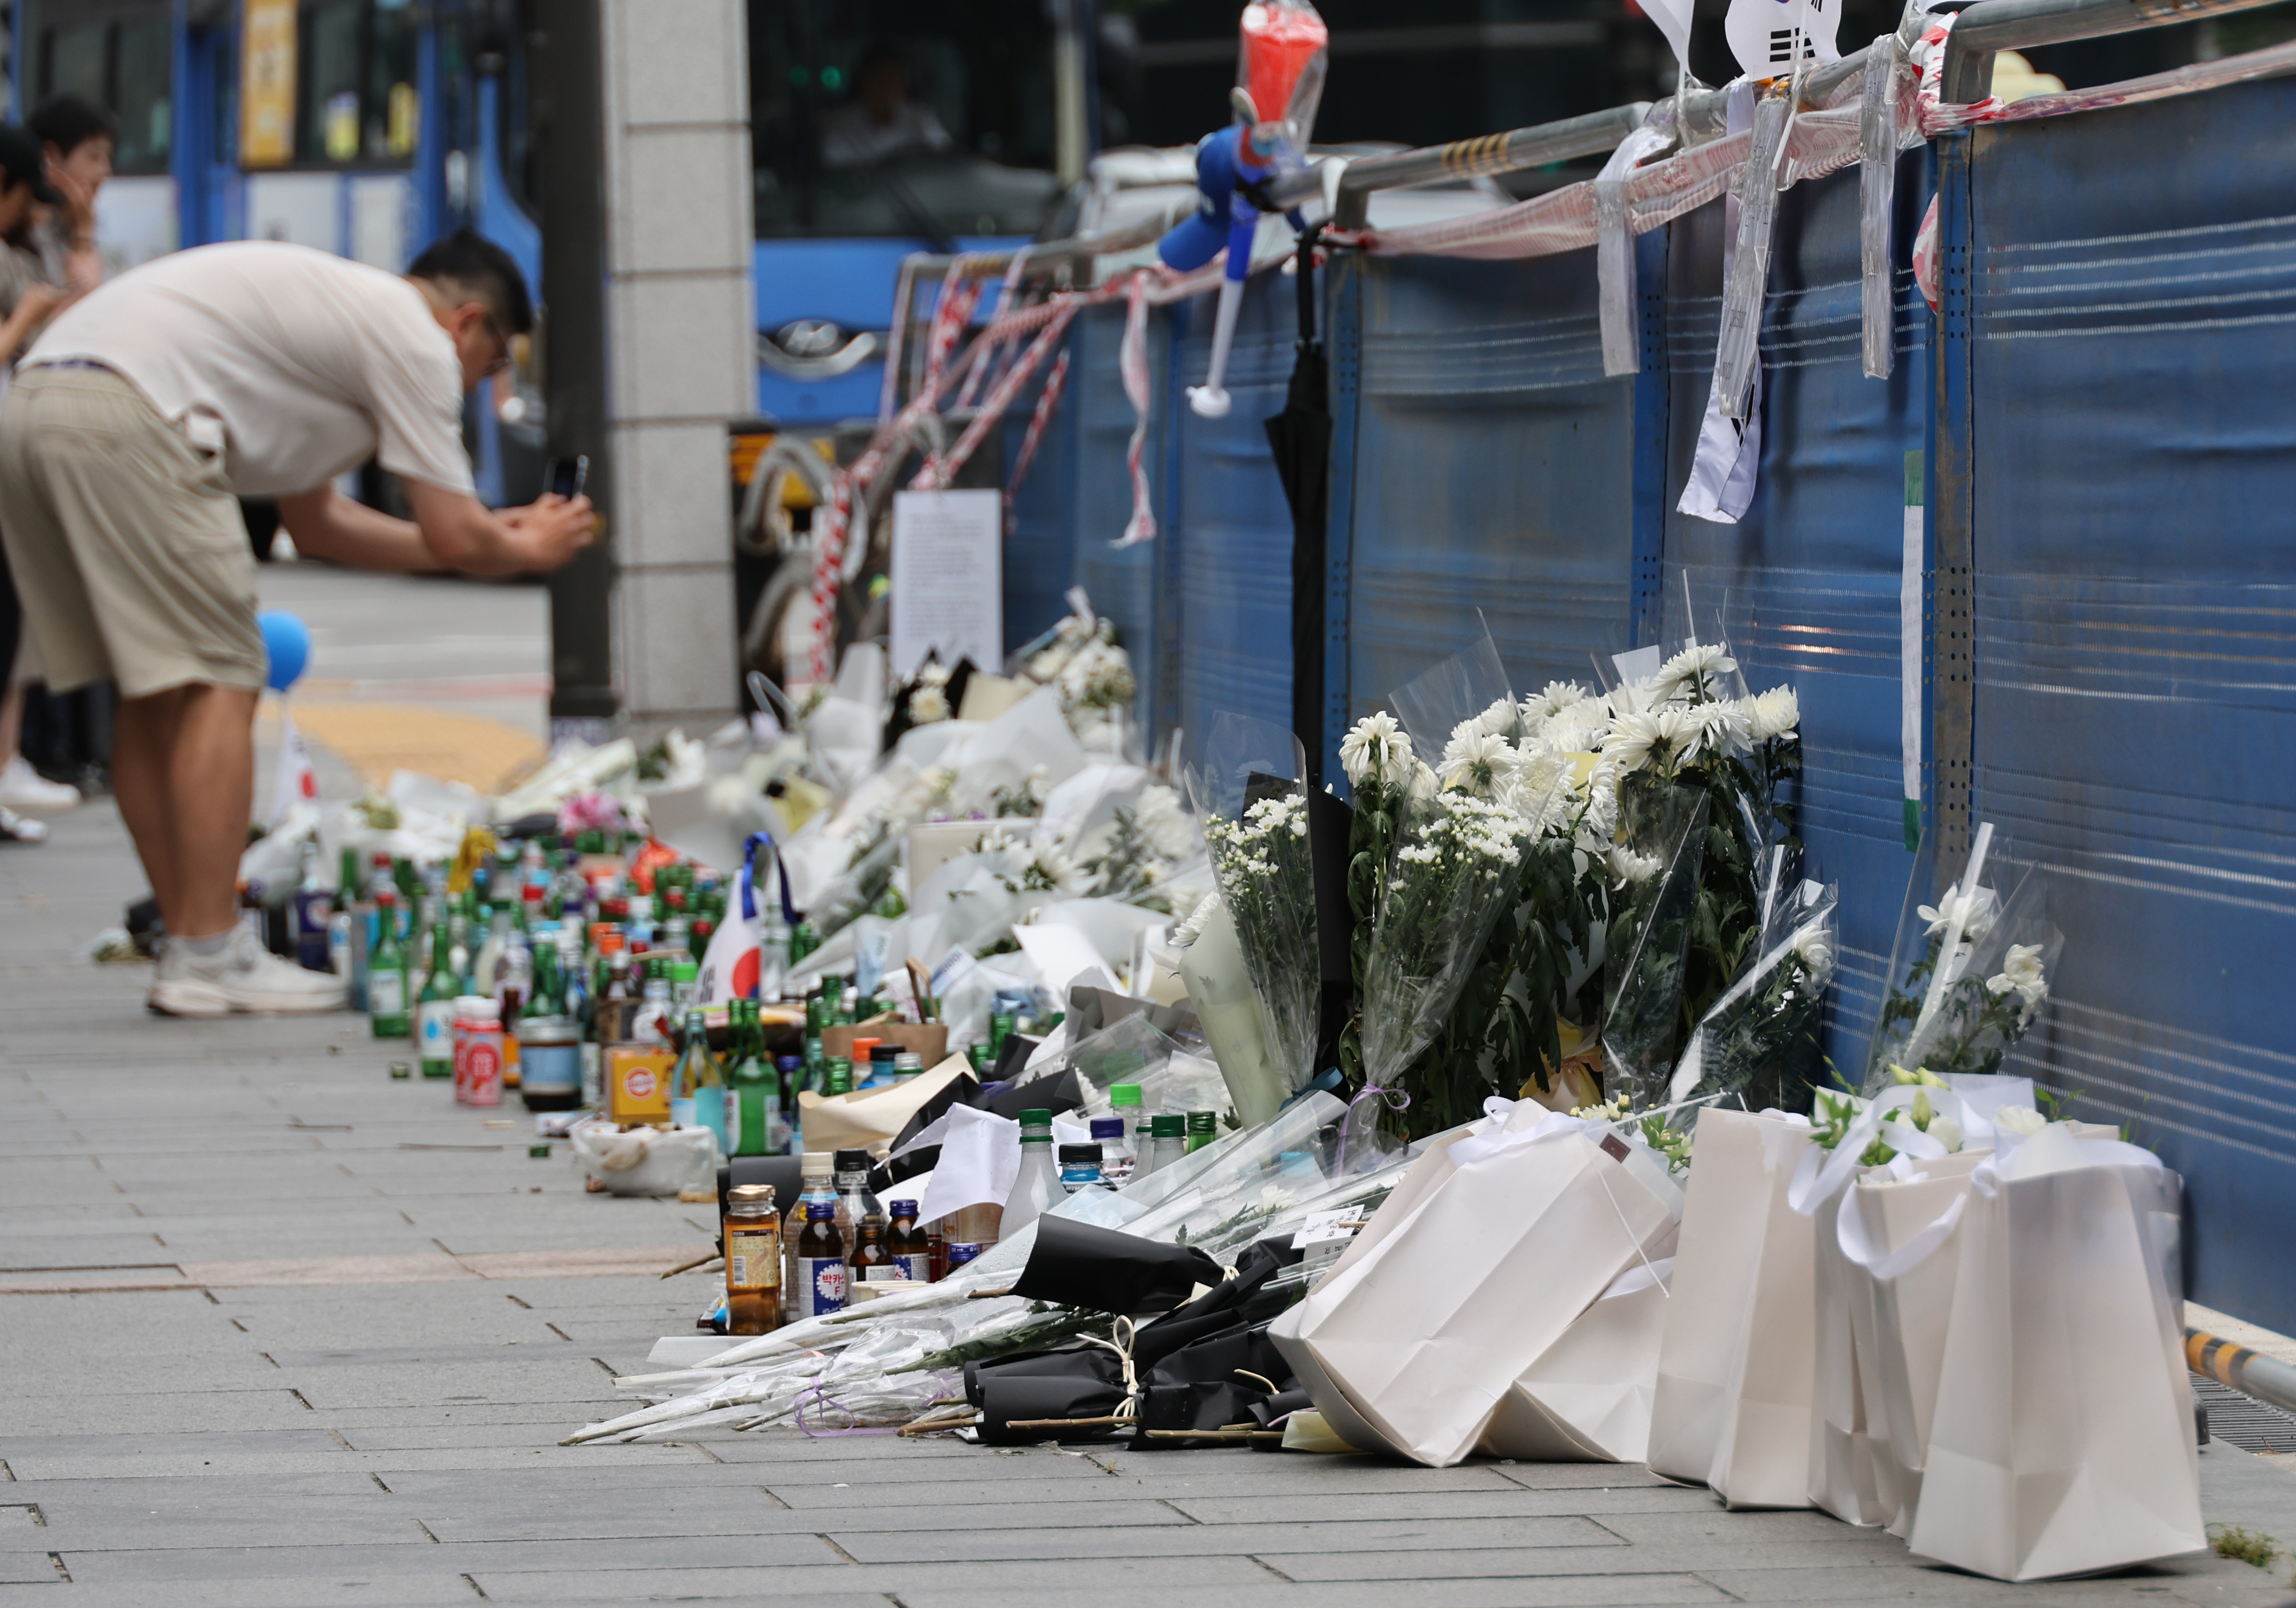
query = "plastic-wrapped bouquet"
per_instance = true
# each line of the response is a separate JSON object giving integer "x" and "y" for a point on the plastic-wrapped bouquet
{"x": 1254, "y": 805}
{"x": 1968, "y": 973}
{"x": 1759, "y": 1040}
{"x": 1081, "y": 658}
{"x": 1453, "y": 876}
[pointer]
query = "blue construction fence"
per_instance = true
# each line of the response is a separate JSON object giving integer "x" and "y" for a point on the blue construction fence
{"x": 2093, "y": 424}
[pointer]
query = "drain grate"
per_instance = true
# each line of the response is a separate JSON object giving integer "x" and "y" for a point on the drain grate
{"x": 2243, "y": 1421}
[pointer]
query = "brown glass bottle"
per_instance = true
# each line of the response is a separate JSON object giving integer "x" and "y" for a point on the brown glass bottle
{"x": 872, "y": 1261}
{"x": 906, "y": 1244}
{"x": 753, "y": 1261}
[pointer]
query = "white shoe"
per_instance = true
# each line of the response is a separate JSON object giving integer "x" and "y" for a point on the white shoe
{"x": 22, "y": 829}
{"x": 24, "y": 789}
{"x": 242, "y": 976}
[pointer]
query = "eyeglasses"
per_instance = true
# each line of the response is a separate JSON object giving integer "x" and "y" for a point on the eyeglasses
{"x": 501, "y": 365}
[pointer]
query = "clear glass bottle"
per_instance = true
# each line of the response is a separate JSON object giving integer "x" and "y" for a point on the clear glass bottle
{"x": 856, "y": 1205}
{"x": 773, "y": 954}
{"x": 1037, "y": 1189}
{"x": 753, "y": 1261}
{"x": 653, "y": 1021}
{"x": 697, "y": 1088}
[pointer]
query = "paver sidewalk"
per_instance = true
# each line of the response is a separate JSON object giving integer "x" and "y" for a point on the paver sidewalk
{"x": 282, "y": 1330}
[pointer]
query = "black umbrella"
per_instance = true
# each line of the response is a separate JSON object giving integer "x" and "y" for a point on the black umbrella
{"x": 1299, "y": 439}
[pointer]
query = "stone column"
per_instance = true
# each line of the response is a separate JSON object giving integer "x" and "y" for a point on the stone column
{"x": 681, "y": 357}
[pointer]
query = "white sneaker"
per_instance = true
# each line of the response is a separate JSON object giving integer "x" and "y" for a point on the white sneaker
{"x": 22, "y": 829}
{"x": 242, "y": 976}
{"x": 24, "y": 789}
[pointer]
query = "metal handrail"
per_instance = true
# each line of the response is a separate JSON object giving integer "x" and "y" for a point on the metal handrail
{"x": 1597, "y": 134}
{"x": 1985, "y": 27}
{"x": 1997, "y": 25}
{"x": 1044, "y": 257}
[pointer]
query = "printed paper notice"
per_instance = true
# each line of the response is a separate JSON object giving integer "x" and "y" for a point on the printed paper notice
{"x": 948, "y": 582}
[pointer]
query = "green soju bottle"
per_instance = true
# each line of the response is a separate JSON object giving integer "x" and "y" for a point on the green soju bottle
{"x": 757, "y": 1087}
{"x": 434, "y": 1010}
{"x": 386, "y": 971}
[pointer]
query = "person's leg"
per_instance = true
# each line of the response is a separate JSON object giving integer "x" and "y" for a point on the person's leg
{"x": 211, "y": 788}
{"x": 142, "y": 764}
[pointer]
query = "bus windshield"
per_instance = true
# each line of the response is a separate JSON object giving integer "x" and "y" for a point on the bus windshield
{"x": 892, "y": 117}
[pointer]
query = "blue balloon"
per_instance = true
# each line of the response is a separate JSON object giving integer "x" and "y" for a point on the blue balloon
{"x": 287, "y": 643}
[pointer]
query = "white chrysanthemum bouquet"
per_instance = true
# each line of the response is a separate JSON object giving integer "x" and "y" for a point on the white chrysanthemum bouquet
{"x": 1253, "y": 796}
{"x": 1969, "y": 972}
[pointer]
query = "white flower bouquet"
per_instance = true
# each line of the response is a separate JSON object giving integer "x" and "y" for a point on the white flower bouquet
{"x": 1249, "y": 792}
{"x": 1453, "y": 876}
{"x": 1968, "y": 973}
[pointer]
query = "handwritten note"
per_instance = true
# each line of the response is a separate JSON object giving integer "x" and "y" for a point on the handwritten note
{"x": 948, "y": 580}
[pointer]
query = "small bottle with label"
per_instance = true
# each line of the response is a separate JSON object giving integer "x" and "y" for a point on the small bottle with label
{"x": 911, "y": 1251}
{"x": 1080, "y": 1169}
{"x": 872, "y": 1261}
{"x": 816, "y": 1169}
{"x": 1115, "y": 1151}
{"x": 821, "y": 1268}
{"x": 753, "y": 1261}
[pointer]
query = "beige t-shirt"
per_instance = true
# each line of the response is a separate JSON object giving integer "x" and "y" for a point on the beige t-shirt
{"x": 310, "y": 364}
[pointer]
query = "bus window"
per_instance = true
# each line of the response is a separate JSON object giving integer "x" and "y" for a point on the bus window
{"x": 887, "y": 118}
{"x": 118, "y": 55}
{"x": 355, "y": 83}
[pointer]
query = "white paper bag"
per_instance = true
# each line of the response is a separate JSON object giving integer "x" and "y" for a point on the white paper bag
{"x": 1409, "y": 1344}
{"x": 1587, "y": 1399}
{"x": 1844, "y": 1479}
{"x": 1899, "y": 1251}
{"x": 2062, "y": 1442}
{"x": 1732, "y": 1406}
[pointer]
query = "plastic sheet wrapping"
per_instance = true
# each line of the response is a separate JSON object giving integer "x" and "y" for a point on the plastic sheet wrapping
{"x": 1643, "y": 990}
{"x": 1468, "y": 685}
{"x": 1252, "y": 793}
{"x": 1737, "y": 353}
{"x": 1877, "y": 192}
{"x": 1968, "y": 972}
{"x": 1759, "y": 1040}
{"x": 1614, "y": 246}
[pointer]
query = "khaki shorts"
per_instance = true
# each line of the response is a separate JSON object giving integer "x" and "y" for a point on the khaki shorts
{"x": 126, "y": 543}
